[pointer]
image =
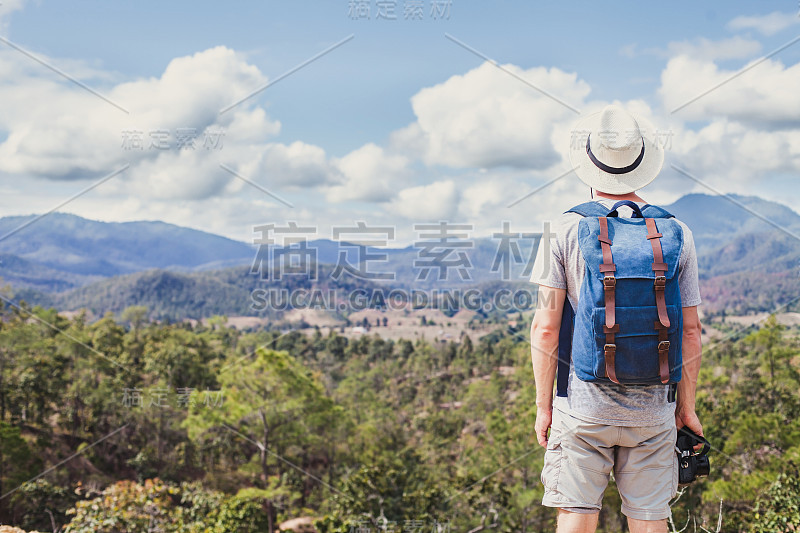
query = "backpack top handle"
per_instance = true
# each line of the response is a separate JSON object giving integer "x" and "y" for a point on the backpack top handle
{"x": 637, "y": 213}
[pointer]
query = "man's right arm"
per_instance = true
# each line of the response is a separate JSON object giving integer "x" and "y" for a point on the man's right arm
{"x": 685, "y": 414}
{"x": 545, "y": 328}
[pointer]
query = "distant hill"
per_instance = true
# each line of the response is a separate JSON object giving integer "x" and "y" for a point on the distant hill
{"x": 746, "y": 264}
{"x": 62, "y": 250}
{"x": 179, "y": 295}
{"x": 22, "y": 273}
{"x": 715, "y": 220}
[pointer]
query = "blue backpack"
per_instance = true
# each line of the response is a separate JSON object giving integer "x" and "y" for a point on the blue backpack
{"x": 628, "y": 326}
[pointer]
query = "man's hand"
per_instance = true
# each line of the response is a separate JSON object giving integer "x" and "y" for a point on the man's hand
{"x": 688, "y": 418}
{"x": 544, "y": 418}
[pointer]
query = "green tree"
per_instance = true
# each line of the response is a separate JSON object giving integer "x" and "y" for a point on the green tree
{"x": 42, "y": 505}
{"x": 17, "y": 461}
{"x": 394, "y": 489}
{"x": 129, "y": 507}
{"x": 778, "y": 510}
{"x": 274, "y": 405}
{"x": 245, "y": 512}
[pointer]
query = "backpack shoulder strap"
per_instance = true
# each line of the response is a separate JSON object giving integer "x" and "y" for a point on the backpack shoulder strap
{"x": 564, "y": 348}
{"x": 589, "y": 209}
{"x": 594, "y": 209}
{"x": 653, "y": 211}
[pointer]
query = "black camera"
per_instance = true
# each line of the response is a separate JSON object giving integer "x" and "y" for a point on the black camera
{"x": 691, "y": 464}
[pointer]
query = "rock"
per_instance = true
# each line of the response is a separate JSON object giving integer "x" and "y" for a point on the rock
{"x": 303, "y": 524}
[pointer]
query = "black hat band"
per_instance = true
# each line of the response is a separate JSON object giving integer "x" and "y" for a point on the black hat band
{"x": 613, "y": 170}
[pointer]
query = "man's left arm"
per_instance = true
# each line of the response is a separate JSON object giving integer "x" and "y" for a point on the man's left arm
{"x": 692, "y": 348}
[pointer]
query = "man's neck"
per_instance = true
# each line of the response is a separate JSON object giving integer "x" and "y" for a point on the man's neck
{"x": 630, "y": 196}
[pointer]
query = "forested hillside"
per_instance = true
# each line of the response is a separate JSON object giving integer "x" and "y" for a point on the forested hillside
{"x": 129, "y": 425}
{"x": 748, "y": 257}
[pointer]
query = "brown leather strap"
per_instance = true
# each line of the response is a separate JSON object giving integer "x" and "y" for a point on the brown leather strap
{"x": 659, "y": 285}
{"x": 609, "y": 285}
{"x": 607, "y": 268}
{"x": 663, "y": 352}
{"x": 610, "y": 352}
{"x": 605, "y": 242}
{"x": 659, "y": 269}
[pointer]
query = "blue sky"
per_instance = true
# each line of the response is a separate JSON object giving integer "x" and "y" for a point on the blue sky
{"x": 399, "y": 101}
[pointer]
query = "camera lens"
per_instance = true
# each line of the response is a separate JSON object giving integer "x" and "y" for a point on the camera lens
{"x": 703, "y": 466}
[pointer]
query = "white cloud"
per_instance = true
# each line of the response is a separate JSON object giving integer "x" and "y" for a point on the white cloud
{"x": 425, "y": 203}
{"x": 732, "y": 48}
{"x": 172, "y": 176}
{"x": 487, "y": 118}
{"x": 73, "y": 134}
{"x": 370, "y": 174}
{"x": 766, "y": 24}
{"x": 233, "y": 217}
{"x": 488, "y": 138}
{"x": 9, "y": 6}
{"x": 6, "y": 9}
{"x": 297, "y": 165}
{"x": 629, "y": 50}
{"x": 767, "y": 93}
{"x": 749, "y": 133}
{"x": 192, "y": 89}
{"x": 486, "y": 196}
{"x": 251, "y": 126}
{"x": 731, "y": 154}
{"x": 736, "y": 47}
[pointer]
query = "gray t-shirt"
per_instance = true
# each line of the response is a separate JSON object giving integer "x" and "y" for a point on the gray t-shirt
{"x": 560, "y": 265}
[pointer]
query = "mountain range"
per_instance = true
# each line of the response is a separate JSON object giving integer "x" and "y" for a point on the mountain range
{"x": 61, "y": 251}
{"x": 748, "y": 254}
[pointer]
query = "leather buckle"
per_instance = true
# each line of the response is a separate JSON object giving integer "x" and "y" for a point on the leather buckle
{"x": 660, "y": 282}
{"x": 609, "y": 282}
{"x": 610, "y": 348}
{"x": 663, "y": 346}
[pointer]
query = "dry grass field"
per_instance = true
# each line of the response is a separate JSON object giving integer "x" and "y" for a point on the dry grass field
{"x": 403, "y": 323}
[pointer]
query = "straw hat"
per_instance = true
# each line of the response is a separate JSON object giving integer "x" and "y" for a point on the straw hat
{"x": 621, "y": 153}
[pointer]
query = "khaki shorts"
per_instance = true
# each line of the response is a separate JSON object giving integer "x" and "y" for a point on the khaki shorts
{"x": 580, "y": 456}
